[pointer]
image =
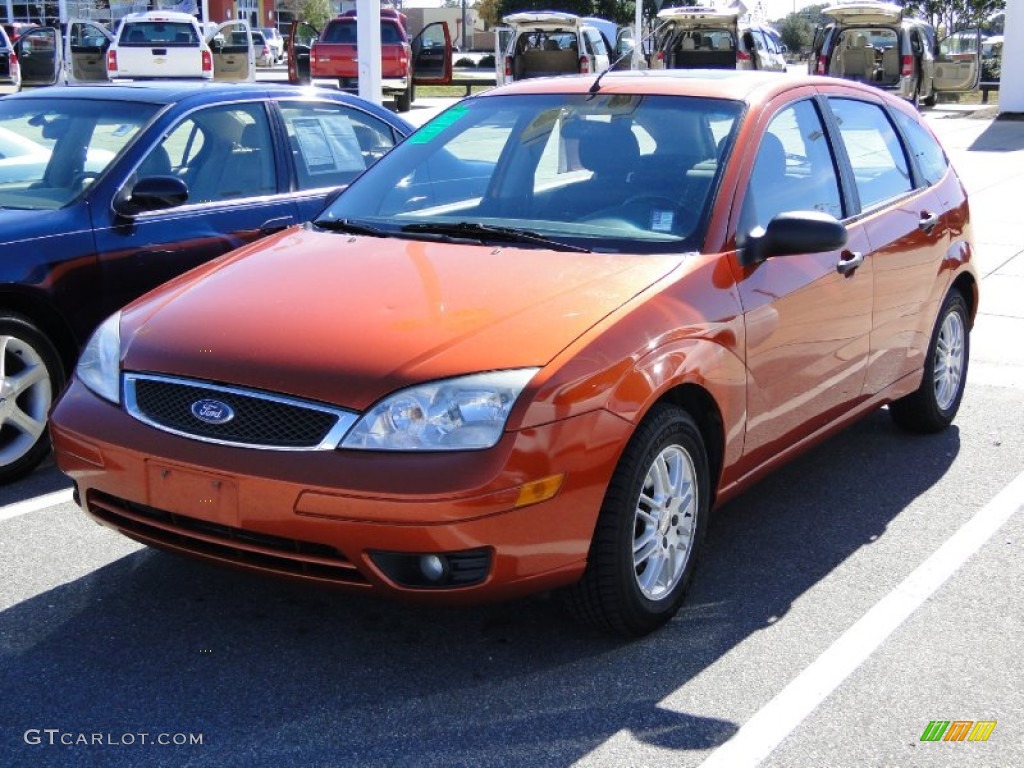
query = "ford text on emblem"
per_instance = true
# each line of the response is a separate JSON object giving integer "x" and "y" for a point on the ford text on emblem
{"x": 212, "y": 411}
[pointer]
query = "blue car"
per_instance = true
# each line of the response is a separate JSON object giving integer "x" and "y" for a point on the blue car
{"x": 110, "y": 190}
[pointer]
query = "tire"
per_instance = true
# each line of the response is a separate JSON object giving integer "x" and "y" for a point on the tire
{"x": 32, "y": 376}
{"x": 403, "y": 101}
{"x": 657, "y": 504}
{"x": 933, "y": 406}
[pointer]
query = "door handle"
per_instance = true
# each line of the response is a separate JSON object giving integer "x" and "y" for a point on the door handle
{"x": 928, "y": 221}
{"x": 270, "y": 226}
{"x": 849, "y": 261}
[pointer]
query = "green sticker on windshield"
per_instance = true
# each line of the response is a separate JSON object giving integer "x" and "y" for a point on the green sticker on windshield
{"x": 430, "y": 131}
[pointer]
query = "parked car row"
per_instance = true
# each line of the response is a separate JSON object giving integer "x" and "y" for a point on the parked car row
{"x": 529, "y": 349}
{"x": 154, "y": 44}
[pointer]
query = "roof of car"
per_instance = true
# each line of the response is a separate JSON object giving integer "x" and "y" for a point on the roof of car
{"x": 170, "y": 91}
{"x": 733, "y": 84}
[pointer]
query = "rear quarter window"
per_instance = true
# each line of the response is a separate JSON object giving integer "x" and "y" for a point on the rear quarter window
{"x": 928, "y": 155}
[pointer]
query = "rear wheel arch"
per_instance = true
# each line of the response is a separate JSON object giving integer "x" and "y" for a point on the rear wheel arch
{"x": 968, "y": 288}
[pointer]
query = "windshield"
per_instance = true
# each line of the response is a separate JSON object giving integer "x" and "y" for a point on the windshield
{"x": 609, "y": 173}
{"x": 53, "y": 149}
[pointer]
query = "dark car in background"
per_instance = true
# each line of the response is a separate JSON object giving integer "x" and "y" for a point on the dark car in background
{"x": 112, "y": 189}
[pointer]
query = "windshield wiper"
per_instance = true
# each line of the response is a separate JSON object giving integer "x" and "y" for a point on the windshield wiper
{"x": 352, "y": 227}
{"x": 488, "y": 232}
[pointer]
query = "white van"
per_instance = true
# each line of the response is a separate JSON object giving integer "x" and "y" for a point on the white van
{"x": 708, "y": 38}
{"x": 547, "y": 43}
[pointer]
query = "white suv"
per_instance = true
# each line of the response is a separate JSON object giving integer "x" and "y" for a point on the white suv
{"x": 169, "y": 44}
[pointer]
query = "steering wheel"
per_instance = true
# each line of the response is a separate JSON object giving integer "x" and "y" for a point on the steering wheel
{"x": 83, "y": 179}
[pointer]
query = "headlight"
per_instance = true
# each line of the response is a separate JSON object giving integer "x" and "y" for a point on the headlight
{"x": 99, "y": 366}
{"x": 460, "y": 414}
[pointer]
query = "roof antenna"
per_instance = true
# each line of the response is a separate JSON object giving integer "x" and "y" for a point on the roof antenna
{"x": 596, "y": 86}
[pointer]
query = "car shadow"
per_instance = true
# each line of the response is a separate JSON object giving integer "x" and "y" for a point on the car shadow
{"x": 272, "y": 673}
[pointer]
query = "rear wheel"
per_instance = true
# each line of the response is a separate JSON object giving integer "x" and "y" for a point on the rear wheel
{"x": 935, "y": 403}
{"x": 31, "y": 375}
{"x": 649, "y": 530}
{"x": 403, "y": 101}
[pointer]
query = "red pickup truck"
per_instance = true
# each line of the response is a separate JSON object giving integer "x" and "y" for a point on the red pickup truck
{"x": 329, "y": 57}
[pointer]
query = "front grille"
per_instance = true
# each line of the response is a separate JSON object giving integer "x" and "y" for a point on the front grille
{"x": 260, "y": 419}
{"x": 276, "y": 554}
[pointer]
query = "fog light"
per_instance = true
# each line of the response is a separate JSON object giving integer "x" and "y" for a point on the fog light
{"x": 433, "y": 567}
{"x": 435, "y": 570}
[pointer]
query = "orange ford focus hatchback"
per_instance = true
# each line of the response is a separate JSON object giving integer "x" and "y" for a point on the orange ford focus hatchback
{"x": 536, "y": 344}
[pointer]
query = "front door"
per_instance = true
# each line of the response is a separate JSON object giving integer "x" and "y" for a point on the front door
{"x": 39, "y": 56}
{"x": 300, "y": 43}
{"x": 85, "y": 52}
{"x": 432, "y": 55}
{"x": 958, "y": 63}
{"x": 808, "y": 316}
{"x": 234, "y": 58}
{"x": 238, "y": 192}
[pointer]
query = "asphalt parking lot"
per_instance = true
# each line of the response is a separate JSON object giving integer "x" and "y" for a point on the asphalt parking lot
{"x": 866, "y": 590}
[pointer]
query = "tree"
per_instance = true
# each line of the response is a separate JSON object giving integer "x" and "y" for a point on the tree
{"x": 796, "y": 33}
{"x": 949, "y": 15}
{"x": 316, "y": 12}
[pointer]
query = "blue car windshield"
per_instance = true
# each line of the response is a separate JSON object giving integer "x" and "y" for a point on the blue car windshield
{"x": 51, "y": 150}
{"x": 605, "y": 172}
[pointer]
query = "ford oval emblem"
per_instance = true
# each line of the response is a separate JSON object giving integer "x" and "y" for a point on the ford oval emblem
{"x": 212, "y": 411}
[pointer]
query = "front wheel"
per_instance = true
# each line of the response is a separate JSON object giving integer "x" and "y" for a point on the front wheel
{"x": 935, "y": 403}
{"x": 649, "y": 530}
{"x": 31, "y": 375}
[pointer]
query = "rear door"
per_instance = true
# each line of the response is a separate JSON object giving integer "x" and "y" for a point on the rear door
{"x": 432, "y": 55}
{"x": 234, "y": 60}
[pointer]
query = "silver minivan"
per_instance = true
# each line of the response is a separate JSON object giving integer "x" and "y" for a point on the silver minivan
{"x": 548, "y": 43}
{"x": 872, "y": 42}
{"x": 710, "y": 38}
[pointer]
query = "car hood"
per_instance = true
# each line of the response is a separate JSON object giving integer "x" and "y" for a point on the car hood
{"x": 346, "y": 319}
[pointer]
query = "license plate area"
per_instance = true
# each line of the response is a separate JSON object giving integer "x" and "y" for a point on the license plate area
{"x": 195, "y": 494}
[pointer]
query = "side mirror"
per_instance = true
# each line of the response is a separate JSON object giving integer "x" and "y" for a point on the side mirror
{"x": 791, "y": 233}
{"x": 153, "y": 193}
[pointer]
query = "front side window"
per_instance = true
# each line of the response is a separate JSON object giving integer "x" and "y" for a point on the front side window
{"x": 221, "y": 153}
{"x": 794, "y": 171}
{"x": 879, "y": 164}
{"x": 51, "y": 150}
{"x": 617, "y": 173}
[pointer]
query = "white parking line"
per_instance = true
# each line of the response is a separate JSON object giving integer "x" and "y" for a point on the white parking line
{"x": 35, "y": 504}
{"x": 763, "y": 732}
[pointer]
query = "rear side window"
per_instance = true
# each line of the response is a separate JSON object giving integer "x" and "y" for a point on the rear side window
{"x": 169, "y": 33}
{"x": 879, "y": 164}
{"x": 927, "y": 153}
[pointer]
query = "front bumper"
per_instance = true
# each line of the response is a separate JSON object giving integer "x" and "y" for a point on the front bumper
{"x": 325, "y": 516}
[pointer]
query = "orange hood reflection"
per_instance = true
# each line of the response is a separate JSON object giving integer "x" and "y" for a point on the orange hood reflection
{"x": 347, "y": 319}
